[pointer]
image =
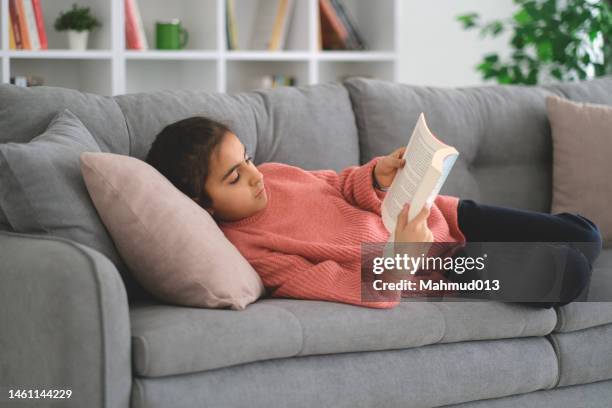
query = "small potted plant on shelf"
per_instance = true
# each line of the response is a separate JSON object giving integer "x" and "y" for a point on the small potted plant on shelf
{"x": 78, "y": 22}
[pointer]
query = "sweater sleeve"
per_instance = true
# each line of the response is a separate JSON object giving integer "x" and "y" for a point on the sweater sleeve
{"x": 293, "y": 276}
{"x": 356, "y": 183}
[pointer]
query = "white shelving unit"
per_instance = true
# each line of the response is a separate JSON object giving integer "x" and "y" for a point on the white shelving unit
{"x": 107, "y": 68}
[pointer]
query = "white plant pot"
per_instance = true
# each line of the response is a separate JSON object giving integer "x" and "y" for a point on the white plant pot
{"x": 77, "y": 40}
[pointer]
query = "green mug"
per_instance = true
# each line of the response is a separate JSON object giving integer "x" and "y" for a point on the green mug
{"x": 169, "y": 35}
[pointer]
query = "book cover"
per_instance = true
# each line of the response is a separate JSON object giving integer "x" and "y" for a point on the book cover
{"x": 279, "y": 32}
{"x": 142, "y": 37}
{"x": 11, "y": 36}
{"x": 355, "y": 39}
{"x": 428, "y": 163}
{"x": 23, "y": 26}
{"x": 232, "y": 26}
{"x": 133, "y": 40}
{"x": 14, "y": 19}
{"x": 263, "y": 26}
{"x": 40, "y": 25}
{"x": 30, "y": 18}
{"x": 334, "y": 34}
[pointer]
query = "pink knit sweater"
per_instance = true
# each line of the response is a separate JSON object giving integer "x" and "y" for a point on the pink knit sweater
{"x": 306, "y": 243}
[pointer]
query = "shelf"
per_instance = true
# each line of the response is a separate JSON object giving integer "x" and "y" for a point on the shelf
{"x": 356, "y": 56}
{"x": 60, "y": 54}
{"x": 267, "y": 55}
{"x": 108, "y": 68}
{"x": 171, "y": 55}
{"x": 86, "y": 75}
{"x": 245, "y": 75}
{"x": 144, "y": 76}
{"x": 337, "y": 71}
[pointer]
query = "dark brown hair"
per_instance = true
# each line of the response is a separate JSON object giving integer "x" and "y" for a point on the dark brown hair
{"x": 182, "y": 153}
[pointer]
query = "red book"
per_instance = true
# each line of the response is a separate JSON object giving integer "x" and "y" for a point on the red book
{"x": 333, "y": 33}
{"x": 133, "y": 40}
{"x": 15, "y": 24}
{"x": 23, "y": 25}
{"x": 40, "y": 24}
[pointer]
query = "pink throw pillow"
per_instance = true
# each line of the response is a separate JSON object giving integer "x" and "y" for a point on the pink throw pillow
{"x": 172, "y": 246}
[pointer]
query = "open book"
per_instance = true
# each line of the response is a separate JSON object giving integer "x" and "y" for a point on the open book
{"x": 428, "y": 163}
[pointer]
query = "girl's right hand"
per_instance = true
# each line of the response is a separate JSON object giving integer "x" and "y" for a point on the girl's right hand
{"x": 415, "y": 230}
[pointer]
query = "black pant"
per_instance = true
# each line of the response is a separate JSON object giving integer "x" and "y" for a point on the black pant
{"x": 488, "y": 223}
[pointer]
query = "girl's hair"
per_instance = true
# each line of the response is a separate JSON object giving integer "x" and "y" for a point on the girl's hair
{"x": 182, "y": 153}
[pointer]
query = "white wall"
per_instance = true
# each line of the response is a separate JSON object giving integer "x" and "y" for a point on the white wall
{"x": 434, "y": 48}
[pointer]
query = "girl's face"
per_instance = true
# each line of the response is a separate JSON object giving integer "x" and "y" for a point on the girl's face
{"x": 234, "y": 184}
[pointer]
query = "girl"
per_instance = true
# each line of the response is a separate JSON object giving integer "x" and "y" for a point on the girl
{"x": 302, "y": 230}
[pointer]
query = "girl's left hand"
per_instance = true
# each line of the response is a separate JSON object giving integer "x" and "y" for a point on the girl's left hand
{"x": 385, "y": 168}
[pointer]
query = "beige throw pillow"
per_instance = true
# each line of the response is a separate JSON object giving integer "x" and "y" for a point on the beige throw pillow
{"x": 582, "y": 165}
{"x": 172, "y": 246}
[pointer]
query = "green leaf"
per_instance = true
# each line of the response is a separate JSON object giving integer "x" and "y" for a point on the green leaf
{"x": 484, "y": 67}
{"x": 522, "y": 17}
{"x": 545, "y": 51}
{"x": 491, "y": 58}
{"x": 504, "y": 76}
{"x": 468, "y": 20}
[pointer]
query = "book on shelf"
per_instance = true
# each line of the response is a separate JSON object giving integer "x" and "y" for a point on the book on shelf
{"x": 30, "y": 19}
{"x": 333, "y": 33}
{"x": 12, "y": 45}
{"x": 135, "y": 37}
{"x": 337, "y": 29}
{"x": 270, "y": 24}
{"x": 23, "y": 27}
{"x": 14, "y": 25}
{"x": 355, "y": 40}
{"x": 40, "y": 25}
{"x": 428, "y": 163}
{"x": 27, "y": 25}
{"x": 230, "y": 25}
{"x": 281, "y": 25}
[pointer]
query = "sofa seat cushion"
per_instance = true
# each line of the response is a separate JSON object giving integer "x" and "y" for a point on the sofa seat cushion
{"x": 598, "y": 308}
{"x": 585, "y": 356}
{"x": 169, "y": 340}
{"x": 429, "y": 376}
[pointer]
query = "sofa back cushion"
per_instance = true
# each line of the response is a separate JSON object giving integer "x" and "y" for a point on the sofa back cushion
{"x": 501, "y": 132}
{"x": 42, "y": 190}
{"x": 312, "y": 127}
{"x": 26, "y": 112}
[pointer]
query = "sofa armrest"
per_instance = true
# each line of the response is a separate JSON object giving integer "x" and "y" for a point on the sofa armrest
{"x": 64, "y": 322}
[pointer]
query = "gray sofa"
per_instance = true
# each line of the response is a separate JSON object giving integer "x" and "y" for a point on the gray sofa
{"x": 71, "y": 317}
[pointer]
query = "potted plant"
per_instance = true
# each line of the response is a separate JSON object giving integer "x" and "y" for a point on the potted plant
{"x": 78, "y": 22}
{"x": 550, "y": 41}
